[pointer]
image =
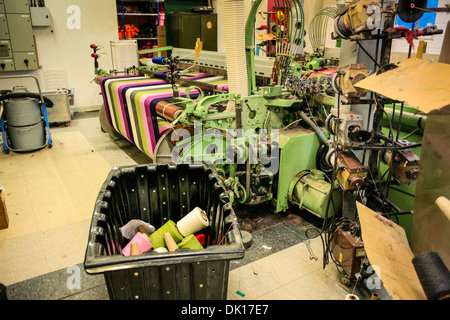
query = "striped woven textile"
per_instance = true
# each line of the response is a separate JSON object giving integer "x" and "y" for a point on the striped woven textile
{"x": 130, "y": 102}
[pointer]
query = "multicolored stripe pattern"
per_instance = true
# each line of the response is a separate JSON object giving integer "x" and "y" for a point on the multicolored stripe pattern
{"x": 130, "y": 102}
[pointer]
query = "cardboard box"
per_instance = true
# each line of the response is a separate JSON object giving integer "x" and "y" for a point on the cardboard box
{"x": 161, "y": 31}
{"x": 4, "y": 222}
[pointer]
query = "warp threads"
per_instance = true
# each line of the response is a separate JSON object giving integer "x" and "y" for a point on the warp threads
{"x": 234, "y": 35}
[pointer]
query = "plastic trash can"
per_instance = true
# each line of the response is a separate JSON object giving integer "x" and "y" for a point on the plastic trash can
{"x": 156, "y": 193}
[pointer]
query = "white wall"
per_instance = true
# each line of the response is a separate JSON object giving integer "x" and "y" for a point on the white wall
{"x": 67, "y": 50}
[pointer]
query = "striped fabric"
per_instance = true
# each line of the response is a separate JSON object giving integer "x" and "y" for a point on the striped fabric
{"x": 130, "y": 102}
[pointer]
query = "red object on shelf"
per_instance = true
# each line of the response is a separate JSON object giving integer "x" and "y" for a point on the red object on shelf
{"x": 131, "y": 31}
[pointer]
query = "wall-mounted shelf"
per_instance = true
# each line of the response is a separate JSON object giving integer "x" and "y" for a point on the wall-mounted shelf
{"x": 146, "y": 18}
{"x": 140, "y": 14}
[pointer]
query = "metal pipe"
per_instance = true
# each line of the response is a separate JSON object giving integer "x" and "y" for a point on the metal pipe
{"x": 238, "y": 115}
{"x": 408, "y": 119}
{"x": 28, "y": 76}
{"x": 325, "y": 99}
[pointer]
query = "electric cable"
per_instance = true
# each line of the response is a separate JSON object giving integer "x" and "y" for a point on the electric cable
{"x": 368, "y": 54}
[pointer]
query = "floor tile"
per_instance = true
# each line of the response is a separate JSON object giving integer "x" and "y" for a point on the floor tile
{"x": 277, "y": 294}
{"x": 251, "y": 280}
{"x": 316, "y": 286}
{"x": 287, "y": 265}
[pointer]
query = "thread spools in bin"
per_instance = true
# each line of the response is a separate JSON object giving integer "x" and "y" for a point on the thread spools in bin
{"x": 190, "y": 242}
{"x": 169, "y": 237}
{"x": 139, "y": 244}
{"x": 157, "y": 237}
{"x": 193, "y": 222}
{"x": 182, "y": 232}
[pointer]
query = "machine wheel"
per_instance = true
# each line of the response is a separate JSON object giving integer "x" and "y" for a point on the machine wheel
{"x": 163, "y": 149}
{"x": 105, "y": 127}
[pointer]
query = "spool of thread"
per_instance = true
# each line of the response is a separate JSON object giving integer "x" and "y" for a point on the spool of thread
{"x": 141, "y": 240}
{"x": 351, "y": 296}
{"x": 444, "y": 204}
{"x": 193, "y": 222}
{"x": 159, "y": 60}
{"x": 170, "y": 243}
{"x": 190, "y": 242}
{"x": 160, "y": 75}
{"x": 142, "y": 230}
{"x": 433, "y": 275}
{"x": 134, "y": 249}
{"x": 161, "y": 250}
{"x": 157, "y": 237}
{"x": 375, "y": 296}
{"x": 167, "y": 110}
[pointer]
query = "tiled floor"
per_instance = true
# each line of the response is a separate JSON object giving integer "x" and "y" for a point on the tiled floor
{"x": 50, "y": 197}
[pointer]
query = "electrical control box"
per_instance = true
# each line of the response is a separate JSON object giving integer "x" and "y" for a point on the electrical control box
{"x": 186, "y": 27}
{"x": 349, "y": 251}
{"x": 17, "y": 46}
{"x": 40, "y": 17}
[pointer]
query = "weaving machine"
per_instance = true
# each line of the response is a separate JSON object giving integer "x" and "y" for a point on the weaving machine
{"x": 292, "y": 140}
{"x": 134, "y": 106}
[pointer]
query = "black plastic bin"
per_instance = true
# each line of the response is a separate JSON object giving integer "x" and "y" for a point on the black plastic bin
{"x": 156, "y": 193}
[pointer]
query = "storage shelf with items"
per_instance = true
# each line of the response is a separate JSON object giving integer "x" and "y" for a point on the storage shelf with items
{"x": 140, "y": 20}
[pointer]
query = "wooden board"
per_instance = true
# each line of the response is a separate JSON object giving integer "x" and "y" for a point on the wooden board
{"x": 4, "y": 221}
{"x": 422, "y": 84}
{"x": 387, "y": 248}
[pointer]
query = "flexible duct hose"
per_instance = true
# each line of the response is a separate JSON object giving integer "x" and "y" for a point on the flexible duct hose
{"x": 234, "y": 25}
{"x": 315, "y": 128}
{"x": 19, "y": 95}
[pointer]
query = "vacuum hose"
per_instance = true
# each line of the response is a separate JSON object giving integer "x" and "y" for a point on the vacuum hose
{"x": 19, "y": 95}
{"x": 315, "y": 128}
